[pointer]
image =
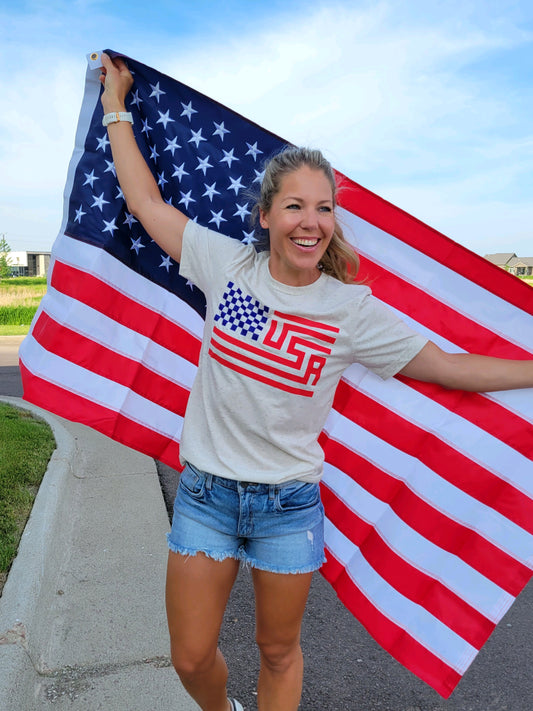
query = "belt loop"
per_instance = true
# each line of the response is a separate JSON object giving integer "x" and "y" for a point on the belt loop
{"x": 209, "y": 481}
{"x": 272, "y": 492}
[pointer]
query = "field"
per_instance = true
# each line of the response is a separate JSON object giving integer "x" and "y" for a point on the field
{"x": 19, "y": 299}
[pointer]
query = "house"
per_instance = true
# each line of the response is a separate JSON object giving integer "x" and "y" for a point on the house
{"x": 521, "y": 266}
{"x": 29, "y": 263}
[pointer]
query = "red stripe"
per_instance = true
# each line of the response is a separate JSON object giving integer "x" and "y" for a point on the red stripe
{"x": 243, "y": 346}
{"x": 260, "y": 378}
{"x": 99, "y": 359}
{"x": 452, "y": 536}
{"x": 411, "y": 582}
{"x": 393, "y": 638}
{"x": 382, "y": 214}
{"x": 480, "y": 410}
{"x": 114, "y": 424}
{"x": 450, "y": 464}
{"x": 436, "y": 315}
{"x": 312, "y": 324}
{"x": 104, "y": 298}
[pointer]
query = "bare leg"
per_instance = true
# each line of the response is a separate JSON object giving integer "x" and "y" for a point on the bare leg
{"x": 280, "y": 604}
{"x": 197, "y": 592}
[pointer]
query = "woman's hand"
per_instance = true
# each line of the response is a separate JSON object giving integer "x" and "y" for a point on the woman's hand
{"x": 117, "y": 80}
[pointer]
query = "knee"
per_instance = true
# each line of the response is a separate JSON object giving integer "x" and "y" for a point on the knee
{"x": 190, "y": 664}
{"x": 279, "y": 656}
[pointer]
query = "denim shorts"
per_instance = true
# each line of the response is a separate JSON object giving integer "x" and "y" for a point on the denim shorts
{"x": 279, "y": 528}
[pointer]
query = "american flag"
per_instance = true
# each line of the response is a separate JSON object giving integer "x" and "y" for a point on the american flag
{"x": 427, "y": 492}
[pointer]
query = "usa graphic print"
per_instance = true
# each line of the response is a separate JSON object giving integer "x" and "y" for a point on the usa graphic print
{"x": 290, "y": 352}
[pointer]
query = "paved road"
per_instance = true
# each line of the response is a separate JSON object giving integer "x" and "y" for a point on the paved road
{"x": 345, "y": 669}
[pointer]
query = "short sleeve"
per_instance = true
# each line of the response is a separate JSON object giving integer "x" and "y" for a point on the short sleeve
{"x": 205, "y": 254}
{"x": 382, "y": 341}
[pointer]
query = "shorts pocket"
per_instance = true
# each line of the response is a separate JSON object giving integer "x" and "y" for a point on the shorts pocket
{"x": 193, "y": 481}
{"x": 300, "y": 495}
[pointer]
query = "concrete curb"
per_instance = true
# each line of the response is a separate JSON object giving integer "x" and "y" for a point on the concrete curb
{"x": 20, "y": 598}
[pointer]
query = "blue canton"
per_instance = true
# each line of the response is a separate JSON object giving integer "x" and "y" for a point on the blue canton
{"x": 242, "y": 313}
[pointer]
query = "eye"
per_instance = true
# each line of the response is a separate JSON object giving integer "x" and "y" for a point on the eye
{"x": 293, "y": 206}
{"x": 325, "y": 208}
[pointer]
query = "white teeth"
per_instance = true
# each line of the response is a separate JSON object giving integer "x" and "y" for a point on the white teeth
{"x": 306, "y": 242}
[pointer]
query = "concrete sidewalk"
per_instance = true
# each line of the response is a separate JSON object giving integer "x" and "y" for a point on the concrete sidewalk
{"x": 82, "y": 620}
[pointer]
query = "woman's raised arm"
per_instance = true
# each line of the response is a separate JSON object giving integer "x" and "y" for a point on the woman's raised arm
{"x": 467, "y": 371}
{"x": 164, "y": 223}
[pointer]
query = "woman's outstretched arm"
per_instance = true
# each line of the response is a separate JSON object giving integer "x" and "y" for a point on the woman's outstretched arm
{"x": 467, "y": 371}
{"x": 164, "y": 223}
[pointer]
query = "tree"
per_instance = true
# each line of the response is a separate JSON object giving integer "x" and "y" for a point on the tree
{"x": 5, "y": 249}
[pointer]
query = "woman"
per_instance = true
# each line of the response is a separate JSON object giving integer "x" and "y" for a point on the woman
{"x": 249, "y": 490}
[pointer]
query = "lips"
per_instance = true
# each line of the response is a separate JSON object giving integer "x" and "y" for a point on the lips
{"x": 303, "y": 242}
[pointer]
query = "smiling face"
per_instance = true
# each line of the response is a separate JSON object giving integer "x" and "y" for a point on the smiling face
{"x": 300, "y": 222}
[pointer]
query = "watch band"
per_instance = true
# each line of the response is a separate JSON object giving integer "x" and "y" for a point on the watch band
{"x": 117, "y": 116}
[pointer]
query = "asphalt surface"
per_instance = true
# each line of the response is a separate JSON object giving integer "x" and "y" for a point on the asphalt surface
{"x": 345, "y": 669}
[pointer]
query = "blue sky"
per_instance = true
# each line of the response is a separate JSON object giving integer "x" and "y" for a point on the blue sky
{"x": 430, "y": 107}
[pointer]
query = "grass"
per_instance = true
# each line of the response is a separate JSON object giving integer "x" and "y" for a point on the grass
{"x": 19, "y": 300}
{"x": 27, "y": 445}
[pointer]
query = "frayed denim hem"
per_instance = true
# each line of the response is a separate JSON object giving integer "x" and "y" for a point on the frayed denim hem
{"x": 252, "y": 563}
{"x": 183, "y": 550}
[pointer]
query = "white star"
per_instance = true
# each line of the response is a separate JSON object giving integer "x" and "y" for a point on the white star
{"x": 186, "y": 199}
{"x": 145, "y": 127}
{"x": 249, "y": 237}
{"x": 136, "y": 99}
{"x": 120, "y": 194}
{"x": 196, "y": 137}
{"x": 136, "y": 244}
{"x": 242, "y": 211}
{"x": 236, "y": 184}
{"x": 164, "y": 118}
{"x": 190, "y": 284}
{"x": 172, "y": 145}
{"x": 217, "y": 218}
{"x": 179, "y": 172}
{"x": 110, "y": 168}
{"x": 90, "y": 178}
{"x": 129, "y": 220}
{"x": 203, "y": 164}
{"x": 165, "y": 262}
{"x": 252, "y": 150}
{"x": 188, "y": 110}
{"x": 79, "y": 214}
{"x": 110, "y": 226}
{"x": 220, "y": 130}
{"x": 154, "y": 155}
{"x": 259, "y": 175}
{"x": 99, "y": 202}
{"x": 156, "y": 91}
{"x": 161, "y": 179}
{"x": 210, "y": 191}
{"x": 102, "y": 142}
{"x": 228, "y": 157}
{"x": 169, "y": 201}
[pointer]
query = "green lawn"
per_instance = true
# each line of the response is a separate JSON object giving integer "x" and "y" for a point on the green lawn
{"x": 27, "y": 445}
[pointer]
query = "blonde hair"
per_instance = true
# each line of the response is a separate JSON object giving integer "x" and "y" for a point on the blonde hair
{"x": 340, "y": 259}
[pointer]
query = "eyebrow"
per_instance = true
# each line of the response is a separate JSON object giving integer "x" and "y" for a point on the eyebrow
{"x": 299, "y": 199}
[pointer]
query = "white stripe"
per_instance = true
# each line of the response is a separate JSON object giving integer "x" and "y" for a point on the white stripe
{"x": 99, "y": 390}
{"x": 446, "y": 285}
{"x": 100, "y": 328}
{"x": 473, "y": 587}
{"x": 418, "y": 622}
{"x": 435, "y": 490}
{"x": 467, "y": 438}
{"x": 101, "y": 264}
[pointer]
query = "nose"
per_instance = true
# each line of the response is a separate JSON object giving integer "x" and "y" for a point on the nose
{"x": 309, "y": 218}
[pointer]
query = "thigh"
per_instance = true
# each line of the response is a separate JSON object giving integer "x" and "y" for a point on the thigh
{"x": 197, "y": 591}
{"x": 280, "y": 604}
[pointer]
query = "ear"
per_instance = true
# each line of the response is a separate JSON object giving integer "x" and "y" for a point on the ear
{"x": 263, "y": 219}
